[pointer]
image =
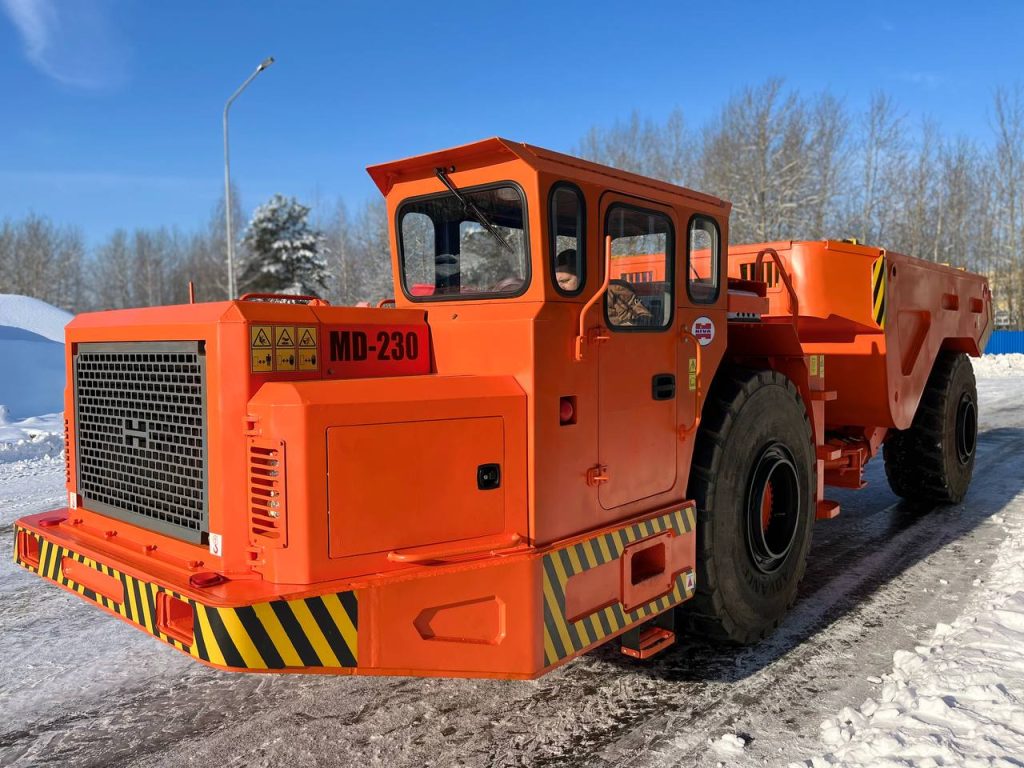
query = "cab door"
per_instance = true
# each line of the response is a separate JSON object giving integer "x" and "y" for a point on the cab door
{"x": 638, "y": 382}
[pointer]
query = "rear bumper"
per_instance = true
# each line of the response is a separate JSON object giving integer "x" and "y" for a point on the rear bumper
{"x": 317, "y": 633}
{"x": 514, "y": 616}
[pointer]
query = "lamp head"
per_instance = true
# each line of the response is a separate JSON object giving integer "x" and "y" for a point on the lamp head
{"x": 265, "y": 63}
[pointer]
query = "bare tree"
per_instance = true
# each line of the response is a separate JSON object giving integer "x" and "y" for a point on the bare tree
{"x": 665, "y": 151}
{"x": 41, "y": 259}
{"x": 1009, "y": 195}
{"x": 756, "y": 154}
{"x": 882, "y": 159}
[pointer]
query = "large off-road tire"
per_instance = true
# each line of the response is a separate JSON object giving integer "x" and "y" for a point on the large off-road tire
{"x": 933, "y": 459}
{"x": 753, "y": 478}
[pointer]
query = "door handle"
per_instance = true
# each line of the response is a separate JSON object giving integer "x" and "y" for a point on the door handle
{"x": 663, "y": 386}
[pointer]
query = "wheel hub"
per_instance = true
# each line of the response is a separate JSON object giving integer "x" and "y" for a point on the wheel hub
{"x": 772, "y": 508}
{"x": 966, "y": 428}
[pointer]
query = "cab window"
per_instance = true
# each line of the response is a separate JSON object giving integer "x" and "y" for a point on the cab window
{"x": 640, "y": 289}
{"x": 451, "y": 251}
{"x": 702, "y": 259}
{"x": 567, "y": 225}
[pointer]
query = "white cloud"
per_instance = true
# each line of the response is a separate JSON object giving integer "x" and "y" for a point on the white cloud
{"x": 71, "y": 42}
{"x": 930, "y": 80}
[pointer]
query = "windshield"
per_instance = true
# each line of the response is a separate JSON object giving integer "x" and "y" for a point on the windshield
{"x": 447, "y": 252}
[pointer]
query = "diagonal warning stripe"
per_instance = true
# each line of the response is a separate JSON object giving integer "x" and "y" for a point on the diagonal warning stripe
{"x": 564, "y": 638}
{"x": 315, "y": 632}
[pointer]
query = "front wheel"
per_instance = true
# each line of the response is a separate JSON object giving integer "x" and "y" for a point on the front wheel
{"x": 753, "y": 478}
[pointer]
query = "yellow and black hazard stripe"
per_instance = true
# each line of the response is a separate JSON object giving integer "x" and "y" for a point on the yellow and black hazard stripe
{"x": 313, "y": 632}
{"x": 878, "y": 286}
{"x": 563, "y": 638}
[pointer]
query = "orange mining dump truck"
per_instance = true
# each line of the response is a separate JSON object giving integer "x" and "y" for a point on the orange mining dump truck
{"x": 583, "y": 420}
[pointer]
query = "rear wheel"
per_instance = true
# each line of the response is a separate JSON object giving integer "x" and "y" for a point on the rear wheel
{"x": 933, "y": 459}
{"x": 753, "y": 478}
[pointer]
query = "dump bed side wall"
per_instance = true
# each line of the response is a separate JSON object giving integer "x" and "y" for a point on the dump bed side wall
{"x": 929, "y": 307}
{"x": 880, "y": 319}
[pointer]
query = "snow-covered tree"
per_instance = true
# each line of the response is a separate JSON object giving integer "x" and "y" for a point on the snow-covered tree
{"x": 286, "y": 254}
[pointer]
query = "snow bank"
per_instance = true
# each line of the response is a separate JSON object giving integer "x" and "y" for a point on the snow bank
{"x": 32, "y": 315}
{"x": 32, "y": 379}
{"x": 960, "y": 699}
{"x": 998, "y": 366}
{"x": 31, "y": 438}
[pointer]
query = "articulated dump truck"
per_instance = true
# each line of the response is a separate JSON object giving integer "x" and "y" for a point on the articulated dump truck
{"x": 583, "y": 417}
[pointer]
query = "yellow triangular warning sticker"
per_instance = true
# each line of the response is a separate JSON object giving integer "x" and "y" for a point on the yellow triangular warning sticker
{"x": 284, "y": 339}
{"x": 307, "y": 339}
{"x": 260, "y": 338}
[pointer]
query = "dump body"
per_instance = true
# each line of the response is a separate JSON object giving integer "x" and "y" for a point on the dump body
{"x": 493, "y": 477}
{"x": 880, "y": 318}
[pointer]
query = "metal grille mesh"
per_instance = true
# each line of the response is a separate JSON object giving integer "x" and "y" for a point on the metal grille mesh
{"x": 140, "y": 429}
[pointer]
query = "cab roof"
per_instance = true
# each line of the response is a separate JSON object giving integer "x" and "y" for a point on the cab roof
{"x": 494, "y": 150}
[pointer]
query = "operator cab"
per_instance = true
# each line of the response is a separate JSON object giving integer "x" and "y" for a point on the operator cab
{"x": 598, "y": 290}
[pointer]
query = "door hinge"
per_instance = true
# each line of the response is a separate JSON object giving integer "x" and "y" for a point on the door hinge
{"x": 597, "y": 474}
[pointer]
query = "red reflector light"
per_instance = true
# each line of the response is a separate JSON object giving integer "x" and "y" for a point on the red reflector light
{"x": 567, "y": 410}
{"x": 206, "y": 579}
{"x": 49, "y": 522}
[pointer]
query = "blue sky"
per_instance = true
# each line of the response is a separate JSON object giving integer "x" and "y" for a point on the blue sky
{"x": 110, "y": 110}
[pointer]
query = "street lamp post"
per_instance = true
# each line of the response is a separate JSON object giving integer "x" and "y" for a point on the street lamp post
{"x": 227, "y": 177}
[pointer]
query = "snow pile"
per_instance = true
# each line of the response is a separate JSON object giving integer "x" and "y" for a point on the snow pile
{"x": 958, "y": 700}
{"x": 998, "y": 366}
{"x": 32, "y": 382}
{"x": 31, "y": 438}
{"x": 729, "y": 744}
{"x": 32, "y": 315}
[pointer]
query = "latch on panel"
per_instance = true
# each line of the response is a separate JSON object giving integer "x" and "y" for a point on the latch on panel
{"x": 597, "y": 474}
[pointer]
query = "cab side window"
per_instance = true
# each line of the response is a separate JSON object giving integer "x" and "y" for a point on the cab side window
{"x": 640, "y": 289}
{"x": 568, "y": 250}
{"x": 702, "y": 260}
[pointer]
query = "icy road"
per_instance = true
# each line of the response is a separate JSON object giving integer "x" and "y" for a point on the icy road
{"x": 78, "y": 687}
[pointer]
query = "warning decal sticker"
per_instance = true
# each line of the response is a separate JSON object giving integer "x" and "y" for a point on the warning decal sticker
{"x": 260, "y": 337}
{"x": 283, "y": 348}
{"x": 284, "y": 336}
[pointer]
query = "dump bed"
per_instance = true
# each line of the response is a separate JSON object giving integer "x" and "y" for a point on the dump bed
{"x": 879, "y": 317}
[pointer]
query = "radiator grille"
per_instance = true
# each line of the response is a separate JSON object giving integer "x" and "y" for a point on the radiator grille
{"x": 140, "y": 431}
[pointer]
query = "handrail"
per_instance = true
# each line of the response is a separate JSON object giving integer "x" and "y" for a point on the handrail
{"x": 687, "y": 333}
{"x": 794, "y": 302}
{"x": 438, "y": 553}
{"x": 386, "y": 302}
{"x": 313, "y": 301}
{"x": 581, "y": 338}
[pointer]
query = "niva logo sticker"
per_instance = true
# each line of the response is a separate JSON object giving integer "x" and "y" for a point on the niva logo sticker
{"x": 704, "y": 330}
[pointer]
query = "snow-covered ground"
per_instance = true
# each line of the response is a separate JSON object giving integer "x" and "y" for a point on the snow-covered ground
{"x": 999, "y": 366}
{"x": 906, "y": 648}
{"x": 958, "y": 698}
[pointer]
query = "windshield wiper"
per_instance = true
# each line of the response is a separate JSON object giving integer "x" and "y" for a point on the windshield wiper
{"x": 470, "y": 207}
